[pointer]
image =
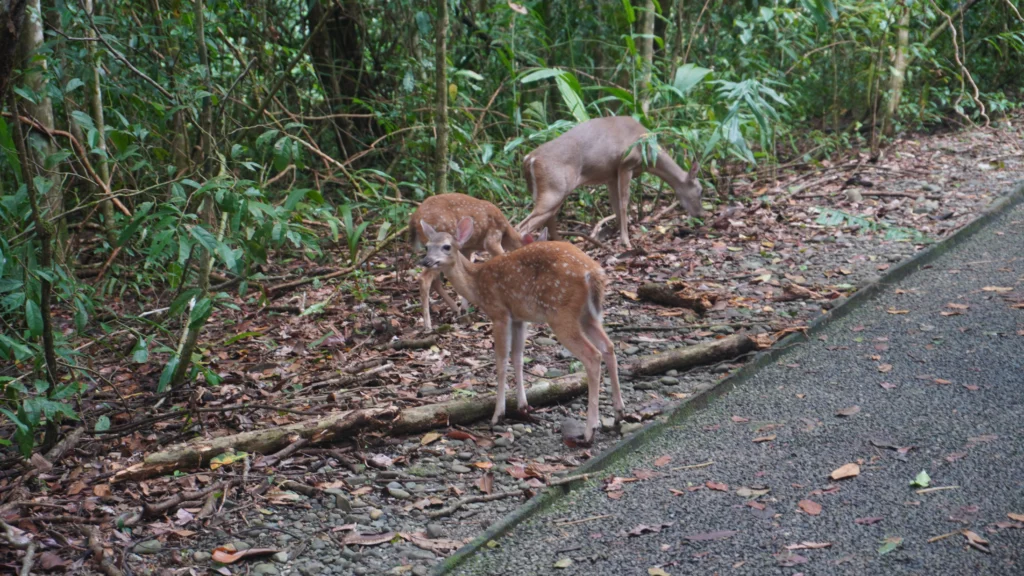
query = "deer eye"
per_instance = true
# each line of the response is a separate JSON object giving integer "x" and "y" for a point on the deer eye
{"x": 447, "y": 247}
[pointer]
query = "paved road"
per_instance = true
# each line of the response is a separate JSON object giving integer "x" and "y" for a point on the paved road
{"x": 953, "y": 393}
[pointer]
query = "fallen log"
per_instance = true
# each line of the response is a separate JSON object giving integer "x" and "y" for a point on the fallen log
{"x": 690, "y": 356}
{"x": 197, "y": 453}
{"x": 677, "y": 295}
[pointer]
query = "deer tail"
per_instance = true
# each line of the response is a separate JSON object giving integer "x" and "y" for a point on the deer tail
{"x": 595, "y": 294}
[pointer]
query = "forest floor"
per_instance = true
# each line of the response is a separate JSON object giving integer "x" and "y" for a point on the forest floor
{"x": 377, "y": 502}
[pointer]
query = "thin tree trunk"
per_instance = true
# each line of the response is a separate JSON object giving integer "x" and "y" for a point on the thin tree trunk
{"x": 42, "y": 110}
{"x": 899, "y": 71}
{"x": 96, "y": 106}
{"x": 441, "y": 114}
{"x": 12, "y": 20}
{"x": 207, "y": 208}
{"x": 45, "y": 234}
{"x": 677, "y": 36}
{"x": 647, "y": 56}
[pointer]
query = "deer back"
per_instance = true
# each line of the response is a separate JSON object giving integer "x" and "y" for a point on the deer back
{"x": 444, "y": 211}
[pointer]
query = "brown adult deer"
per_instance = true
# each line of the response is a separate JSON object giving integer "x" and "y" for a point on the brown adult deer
{"x": 492, "y": 233}
{"x": 552, "y": 282}
{"x": 594, "y": 153}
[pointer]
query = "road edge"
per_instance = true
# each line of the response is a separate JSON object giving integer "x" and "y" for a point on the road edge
{"x": 706, "y": 395}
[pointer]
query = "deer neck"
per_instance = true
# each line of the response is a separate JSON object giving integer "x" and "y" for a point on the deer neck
{"x": 667, "y": 169}
{"x": 463, "y": 276}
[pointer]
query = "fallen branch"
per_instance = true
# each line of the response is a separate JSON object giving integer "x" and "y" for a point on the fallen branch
{"x": 677, "y": 295}
{"x": 329, "y": 428}
{"x": 96, "y": 547}
{"x": 30, "y": 557}
{"x": 792, "y": 292}
{"x": 448, "y": 510}
{"x": 690, "y": 356}
{"x": 176, "y": 500}
{"x": 412, "y": 343}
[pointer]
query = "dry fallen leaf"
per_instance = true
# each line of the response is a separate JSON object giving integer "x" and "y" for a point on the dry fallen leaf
{"x": 1015, "y": 516}
{"x": 895, "y": 311}
{"x": 885, "y": 368}
{"x": 976, "y": 541}
{"x": 848, "y": 411}
{"x": 655, "y": 571}
{"x": 226, "y": 555}
{"x": 662, "y": 461}
{"x": 429, "y": 437}
{"x": 845, "y": 471}
{"x": 486, "y": 483}
{"x": 768, "y": 438}
{"x": 365, "y": 539}
{"x": 631, "y": 295}
{"x": 740, "y": 419}
{"x": 717, "y": 486}
{"x": 997, "y": 289}
{"x": 887, "y": 385}
{"x": 868, "y": 521}
{"x": 484, "y": 465}
{"x": 810, "y": 506}
{"x": 955, "y": 306}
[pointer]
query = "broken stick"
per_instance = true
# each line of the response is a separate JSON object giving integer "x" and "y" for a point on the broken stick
{"x": 690, "y": 356}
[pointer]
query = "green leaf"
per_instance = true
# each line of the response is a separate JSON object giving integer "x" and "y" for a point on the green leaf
{"x": 542, "y": 74}
{"x": 688, "y": 76}
{"x": 227, "y": 458}
{"x": 240, "y": 337}
{"x": 572, "y": 99}
{"x": 470, "y": 74}
{"x": 121, "y": 139}
{"x": 889, "y": 544}
{"x": 922, "y": 480}
{"x": 165, "y": 376}
{"x": 83, "y": 119}
{"x": 34, "y": 318}
{"x": 102, "y": 424}
{"x": 140, "y": 354}
{"x": 200, "y": 312}
{"x": 205, "y": 237}
{"x": 7, "y": 145}
{"x": 73, "y": 84}
{"x": 627, "y": 7}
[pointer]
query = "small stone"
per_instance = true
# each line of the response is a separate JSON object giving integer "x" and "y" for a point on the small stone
{"x": 428, "y": 390}
{"x": 280, "y": 557}
{"x": 645, "y": 385}
{"x": 722, "y": 329}
{"x": 376, "y": 513}
{"x": 394, "y": 485}
{"x": 608, "y": 423}
{"x": 148, "y": 547}
{"x": 398, "y": 493}
{"x": 201, "y": 556}
{"x": 435, "y": 530}
{"x": 545, "y": 341}
{"x": 465, "y": 456}
{"x": 460, "y": 469}
{"x": 265, "y": 569}
{"x": 854, "y": 195}
{"x": 241, "y": 545}
{"x": 341, "y": 500}
{"x": 630, "y": 427}
{"x": 931, "y": 188}
{"x": 554, "y": 373}
{"x": 669, "y": 380}
{"x": 631, "y": 350}
{"x": 520, "y": 428}
{"x": 673, "y": 372}
{"x": 420, "y": 570}
{"x": 502, "y": 442}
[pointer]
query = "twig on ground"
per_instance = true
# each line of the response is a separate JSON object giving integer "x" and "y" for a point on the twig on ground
{"x": 448, "y": 510}
{"x": 96, "y": 547}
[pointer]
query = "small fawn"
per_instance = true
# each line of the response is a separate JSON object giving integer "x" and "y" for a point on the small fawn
{"x": 493, "y": 234}
{"x": 552, "y": 282}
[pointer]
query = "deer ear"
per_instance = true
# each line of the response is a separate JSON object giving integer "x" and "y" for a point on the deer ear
{"x": 541, "y": 236}
{"x": 694, "y": 167}
{"x": 464, "y": 230}
{"x": 428, "y": 229}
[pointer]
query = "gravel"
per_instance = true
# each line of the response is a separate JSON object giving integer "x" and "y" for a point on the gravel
{"x": 952, "y": 404}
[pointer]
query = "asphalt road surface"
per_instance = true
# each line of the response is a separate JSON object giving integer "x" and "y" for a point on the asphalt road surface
{"x": 928, "y": 377}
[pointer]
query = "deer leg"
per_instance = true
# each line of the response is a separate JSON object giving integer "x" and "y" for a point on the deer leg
{"x": 599, "y": 338}
{"x": 570, "y": 334}
{"x": 427, "y": 278}
{"x": 493, "y": 243}
{"x": 518, "y": 343}
{"x": 545, "y": 212}
{"x": 438, "y": 287}
{"x": 502, "y": 335}
{"x": 625, "y": 176}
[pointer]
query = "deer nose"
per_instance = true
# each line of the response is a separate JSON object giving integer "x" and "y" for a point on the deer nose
{"x": 426, "y": 262}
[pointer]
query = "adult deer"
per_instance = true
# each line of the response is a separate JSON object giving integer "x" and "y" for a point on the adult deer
{"x": 492, "y": 233}
{"x": 552, "y": 282}
{"x": 594, "y": 153}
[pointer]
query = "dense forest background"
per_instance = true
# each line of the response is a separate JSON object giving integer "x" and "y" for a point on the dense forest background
{"x": 156, "y": 157}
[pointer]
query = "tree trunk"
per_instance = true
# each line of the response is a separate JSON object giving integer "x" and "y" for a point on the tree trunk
{"x": 441, "y": 114}
{"x": 699, "y": 355}
{"x": 12, "y": 20}
{"x": 207, "y": 208}
{"x": 677, "y": 37}
{"x": 899, "y": 71}
{"x": 346, "y": 424}
{"x": 96, "y": 107}
{"x": 40, "y": 144}
{"x": 647, "y": 56}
